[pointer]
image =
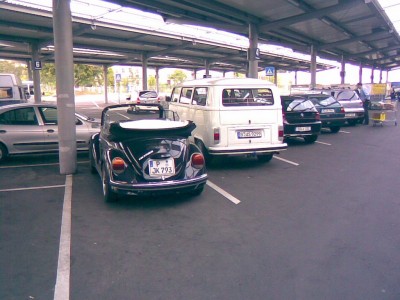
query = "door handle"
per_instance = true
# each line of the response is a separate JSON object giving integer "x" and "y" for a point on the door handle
{"x": 50, "y": 130}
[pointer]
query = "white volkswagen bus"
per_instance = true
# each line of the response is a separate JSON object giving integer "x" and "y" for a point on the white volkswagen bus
{"x": 237, "y": 116}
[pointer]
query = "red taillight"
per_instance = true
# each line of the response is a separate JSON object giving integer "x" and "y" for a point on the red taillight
{"x": 342, "y": 110}
{"x": 118, "y": 165}
{"x": 138, "y": 100}
{"x": 158, "y": 99}
{"x": 216, "y": 135}
{"x": 197, "y": 160}
{"x": 318, "y": 117}
{"x": 280, "y": 133}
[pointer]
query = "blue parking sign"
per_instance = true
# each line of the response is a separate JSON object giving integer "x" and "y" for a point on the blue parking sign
{"x": 117, "y": 77}
{"x": 270, "y": 71}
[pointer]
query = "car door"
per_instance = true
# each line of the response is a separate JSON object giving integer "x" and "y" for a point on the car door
{"x": 20, "y": 131}
{"x": 50, "y": 124}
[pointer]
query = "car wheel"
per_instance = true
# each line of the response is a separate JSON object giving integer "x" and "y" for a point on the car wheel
{"x": 310, "y": 138}
{"x": 3, "y": 152}
{"x": 197, "y": 191}
{"x": 352, "y": 122}
{"x": 203, "y": 149}
{"x": 335, "y": 129}
{"x": 108, "y": 194}
{"x": 264, "y": 158}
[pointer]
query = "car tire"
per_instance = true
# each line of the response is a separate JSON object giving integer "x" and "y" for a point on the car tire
{"x": 108, "y": 195}
{"x": 3, "y": 152}
{"x": 334, "y": 129}
{"x": 264, "y": 158}
{"x": 203, "y": 149}
{"x": 93, "y": 169}
{"x": 310, "y": 138}
{"x": 197, "y": 191}
{"x": 352, "y": 122}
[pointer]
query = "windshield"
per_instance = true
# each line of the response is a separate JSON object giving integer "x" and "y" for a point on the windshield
{"x": 299, "y": 104}
{"x": 347, "y": 96}
{"x": 148, "y": 94}
{"x": 247, "y": 97}
{"x": 326, "y": 101}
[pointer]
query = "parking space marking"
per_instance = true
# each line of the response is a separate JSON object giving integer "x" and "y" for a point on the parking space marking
{"x": 343, "y": 131}
{"x": 223, "y": 192}
{"x": 323, "y": 143}
{"x": 40, "y": 165}
{"x": 62, "y": 287}
{"x": 33, "y": 188}
{"x": 286, "y": 161}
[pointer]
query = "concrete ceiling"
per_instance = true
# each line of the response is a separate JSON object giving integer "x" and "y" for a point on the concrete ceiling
{"x": 356, "y": 30}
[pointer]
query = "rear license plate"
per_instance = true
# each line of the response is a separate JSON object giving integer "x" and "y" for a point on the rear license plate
{"x": 161, "y": 167}
{"x": 327, "y": 111}
{"x": 244, "y": 134}
{"x": 350, "y": 115}
{"x": 302, "y": 129}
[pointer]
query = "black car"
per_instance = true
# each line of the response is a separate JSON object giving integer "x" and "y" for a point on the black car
{"x": 300, "y": 118}
{"x": 146, "y": 152}
{"x": 331, "y": 112}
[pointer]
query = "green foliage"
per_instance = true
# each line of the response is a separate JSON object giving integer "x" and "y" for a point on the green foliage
{"x": 151, "y": 82}
{"x": 178, "y": 76}
{"x": 14, "y": 68}
{"x": 87, "y": 75}
{"x": 48, "y": 75}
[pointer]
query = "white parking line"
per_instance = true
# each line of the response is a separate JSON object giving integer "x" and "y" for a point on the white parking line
{"x": 39, "y": 165}
{"x": 33, "y": 188}
{"x": 61, "y": 291}
{"x": 343, "y": 131}
{"x": 94, "y": 102}
{"x": 323, "y": 143}
{"x": 223, "y": 192}
{"x": 287, "y": 161}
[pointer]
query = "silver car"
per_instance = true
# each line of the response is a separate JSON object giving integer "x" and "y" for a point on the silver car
{"x": 32, "y": 128}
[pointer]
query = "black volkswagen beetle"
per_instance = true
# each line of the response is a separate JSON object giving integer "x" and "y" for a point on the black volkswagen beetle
{"x": 146, "y": 151}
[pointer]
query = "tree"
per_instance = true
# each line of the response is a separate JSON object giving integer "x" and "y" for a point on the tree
{"x": 87, "y": 75}
{"x": 178, "y": 76}
{"x": 14, "y": 68}
{"x": 151, "y": 82}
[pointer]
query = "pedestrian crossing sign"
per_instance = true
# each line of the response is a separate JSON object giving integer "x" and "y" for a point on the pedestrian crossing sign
{"x": 270, "y": 71}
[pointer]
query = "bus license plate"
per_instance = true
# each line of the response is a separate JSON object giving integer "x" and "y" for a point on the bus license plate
{"x": 244, "y": 134}
{"x": 302, "y": 129}
{"x": 161, "y": 167}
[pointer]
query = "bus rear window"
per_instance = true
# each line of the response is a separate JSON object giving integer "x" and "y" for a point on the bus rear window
{"x": 247, "y": 97}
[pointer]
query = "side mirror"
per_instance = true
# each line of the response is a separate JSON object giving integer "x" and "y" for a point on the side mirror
{"x": 168, "y": 98}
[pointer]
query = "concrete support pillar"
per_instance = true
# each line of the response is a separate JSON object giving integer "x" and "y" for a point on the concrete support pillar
{"x": 36, "y": 74}
{"x": 387, "y": 76}
{"x": 157, "y": 80}
{"x": 360, "y": 71}
{"x": 313, "y": 67}
{"x": 295, "y": 77}
{"x": 343, "y": 72}
{"x": 144, "y": 71}
{"x": 372, "y": 74}
{"x": 105, "y": 74}
{"x": 207, "y": 67}
{"x": 62, "y": 28}
{"x": 194, "y": 74}
{"x": 380, "y": 76}
{"x": 252, "y": 52}
{"x": 276, "y": 77}
{"x": 29, "y": 65}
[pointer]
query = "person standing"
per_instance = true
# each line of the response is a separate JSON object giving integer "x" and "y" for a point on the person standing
{"x": 364, "y": 96}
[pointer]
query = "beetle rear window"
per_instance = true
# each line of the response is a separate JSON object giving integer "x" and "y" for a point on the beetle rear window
{"x": 247, "y": 97}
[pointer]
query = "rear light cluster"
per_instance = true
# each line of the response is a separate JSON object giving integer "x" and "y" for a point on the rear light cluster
{"x": 138, "y": 100}
{"x": 158, "y": 99}
{"x": 216, "y": 136}
{"x": 280, "y": 133}
{"x": 118, "y": 165}
{"x": 342, "y": 109}
{"x": 318, "y": 117}
{"x": 197, "y": 160}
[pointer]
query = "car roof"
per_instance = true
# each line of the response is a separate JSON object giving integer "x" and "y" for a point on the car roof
{"x": 239, "y": 82}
